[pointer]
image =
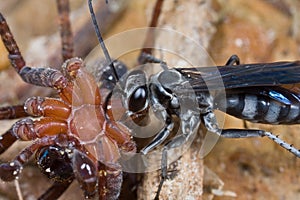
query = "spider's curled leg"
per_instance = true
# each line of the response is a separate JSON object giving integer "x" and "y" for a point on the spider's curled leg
{"x": 9, "y": 171}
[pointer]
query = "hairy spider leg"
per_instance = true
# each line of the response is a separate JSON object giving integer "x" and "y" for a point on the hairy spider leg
{"x": 10, "y": 112}
{"x": 9, "y": 171}
{"x": 28, "y": 129}
{"x": 19, "y": 64}
{"x": 66, "y": 35}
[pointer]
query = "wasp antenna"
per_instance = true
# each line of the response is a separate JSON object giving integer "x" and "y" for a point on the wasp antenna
{"x": 100, "y": 39}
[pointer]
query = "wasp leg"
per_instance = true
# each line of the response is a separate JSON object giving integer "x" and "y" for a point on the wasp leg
{"x": 161, "y": 136}
{"x": 148, "y": 58}
{"x": 175, "y": 142}
{"x": 56, "y": 190}
{"x": 85, "y": 171}
{"x": 150, "y": 37}
{"x": 234, "y": 59}
{"x": 211, "y": 124}
{"x": 109, "y": 181}
{"x": 36, "y": 107}
{"x": 242, "y": 133}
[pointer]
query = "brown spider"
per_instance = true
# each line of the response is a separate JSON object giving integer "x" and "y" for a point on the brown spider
{"x": 76, "y": 124}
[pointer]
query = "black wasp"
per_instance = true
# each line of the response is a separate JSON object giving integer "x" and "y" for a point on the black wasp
{"x": 254, "y": 92}
{"x": 259, "y": 97}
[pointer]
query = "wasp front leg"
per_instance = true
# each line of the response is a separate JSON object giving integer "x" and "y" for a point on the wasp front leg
{"x": 180, "y": 118}
{"x": 178, "y": 141}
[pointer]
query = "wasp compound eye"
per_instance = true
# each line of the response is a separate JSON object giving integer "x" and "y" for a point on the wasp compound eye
{"x": 138, "y": 100}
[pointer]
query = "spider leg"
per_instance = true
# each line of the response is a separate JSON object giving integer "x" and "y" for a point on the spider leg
{"x": 54, "y": 111}
{"x": 7, "y": 139}
{"x": 63, "y": 8}
{"x": 109, "y": 181}
{"x": 175, "y": 142}
{"x": 38, "y": 76}
{"x": 56, "y": 190}
{"x": 47, "y": 107}
{"x": 149, "y": 41}
{"x": 27, "y": 129}
{"x": 86, "y": 173}
{"x": 53, "y": 122}
{"x": 12, "y": 112}
{"x": 9, "y": 171}
{"x": 14, "y": 53}
{"x": 161, "y": 136}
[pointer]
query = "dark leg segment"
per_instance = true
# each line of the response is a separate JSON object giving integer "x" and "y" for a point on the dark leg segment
{"x": 210, "y": 122}
{"x": 65, "y": 29}
{"x": 15, "y": 56}
{"x": 149, "y": 41}
{"x": 9, "y": 171}
{"x": 12, "y": 112}
{"x": 37, "y": 76}
{"x": 161, "y": 136}
{"x": 55, "y": 191}
{"x": 175, "y": 142}
{"x": 148, "y": 58}
{"x": 7, "y": 139}
{"x": 85, "y": 171}
{"x": 242, "y": 133}
{"x": 234, "y": 59}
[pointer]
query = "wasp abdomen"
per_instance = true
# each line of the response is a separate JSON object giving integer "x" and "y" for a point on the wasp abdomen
{"x": 262, "y": 106}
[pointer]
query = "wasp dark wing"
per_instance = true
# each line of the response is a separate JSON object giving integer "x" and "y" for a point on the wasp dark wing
{"x": 247, "y": 75}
